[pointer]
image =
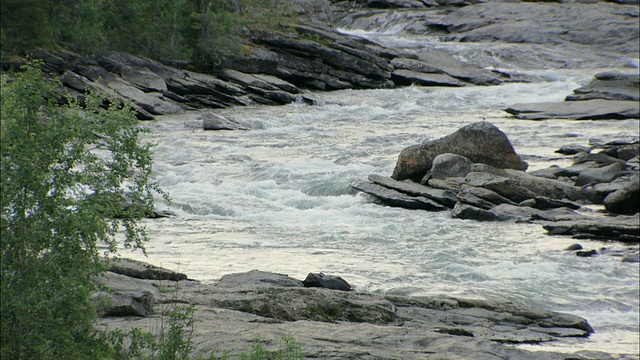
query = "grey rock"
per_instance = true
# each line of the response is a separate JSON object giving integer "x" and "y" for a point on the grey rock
{"x": 574, "y": 247}
{"x": 121, "y": 303}
{"x": 453, "y": 184}
{"x": 480, "y": 142}
{"x": 552, "y": 172}
{"x": 487, "y": 195}
{"x": 519, "y": 186}
{"x": 631, "y": 258}
{"x": 213, "y": 121}
{"x": 572, "y": 149}
{"x": 332, "y": 282}
{"x": 604, "y": 174}
{"x": 465, "y": 196}
{"x": 600, "y": 159}
{"x": 450, "y": 165}
{"x": 255, "y": 278}
{"x": 443, "y": 197}
{"x": 525, "y": 213}
{"x": 620, "y": 228}
{"x": 470, "y": 212}
{"x": 395, "y": 198}
{"x": 414, "y": 65}
{"x": 543, "y": 203}
{"x": 587, "y": 253}
{"x": 597, "y": 109}
{"x": 609, "y": 86}
{"x": 407, "y": 77}
{"x": 625, "y": 200}
{"x": 142, "y": 270}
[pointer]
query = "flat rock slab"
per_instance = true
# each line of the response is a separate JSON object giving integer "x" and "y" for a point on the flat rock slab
{"x": 332, "y": 324}
{"x": 577, "y": 110}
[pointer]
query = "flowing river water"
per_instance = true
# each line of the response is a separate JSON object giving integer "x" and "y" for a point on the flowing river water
{"x": 277, "y": 198}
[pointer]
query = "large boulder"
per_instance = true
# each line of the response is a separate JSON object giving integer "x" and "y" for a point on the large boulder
{"x": 480, "y": 142}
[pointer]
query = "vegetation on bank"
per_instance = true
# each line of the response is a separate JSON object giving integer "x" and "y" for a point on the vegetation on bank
{"x": 202, "y": 32}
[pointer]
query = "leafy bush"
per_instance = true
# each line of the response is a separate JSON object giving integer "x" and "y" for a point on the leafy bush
{"x": 64, "y": 172}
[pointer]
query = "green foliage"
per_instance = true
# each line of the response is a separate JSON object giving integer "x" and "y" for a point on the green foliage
{"x": 292, "y": 351}
{"x": 205, "y": 32}
{"x": 173, "y": 341}
{"x": 65, "y": 171}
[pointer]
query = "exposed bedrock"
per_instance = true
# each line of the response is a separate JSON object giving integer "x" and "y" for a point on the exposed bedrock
{"x": 334, "y": 324}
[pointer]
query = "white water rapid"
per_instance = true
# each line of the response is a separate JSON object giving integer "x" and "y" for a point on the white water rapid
{"x": 277, "y": 198}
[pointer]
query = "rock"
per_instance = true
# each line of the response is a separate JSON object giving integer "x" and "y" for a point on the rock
{"x": 407, "y": 77}
{"x": 620, "y": 228}
{"x": 543, "y": 203}
{"x": 577, "y": 110}
{"x": 395, "y": 198}
{"x": 332, "y": 282}
{"x": 622, "y": 152}
{"x": 552, "y": 172}
{"x": 453, "y": 184}
{"x": 625, "y": 200}
{"x": 342, "y": 324}
{"x": 587, "y": 253}
{"x": 414, "y": 65}
{"x": 572, "y": 149}
{"x": 468, "y": 198}
{"x": 450, "y": 165}
{"x": 259, "y": 278}
{"x": 470, "y": 212}
{"x": 604, "y": 174}
{"x": 213, "y": 121}
{"x": 480, "y": 142}
{"x": 525, "y": 213}
{"x": 631, "y": 258}
{"x": 600, "y": 159}
{"x": 609, "y": 86}
{"x": 519, "y": 186}
{"x": 141, "y": 270}
{"x": 443, "y": 197}
{"x": 487, "y": 195}
{"x": 574, "y": 247}
{"x": 130, "y": 303}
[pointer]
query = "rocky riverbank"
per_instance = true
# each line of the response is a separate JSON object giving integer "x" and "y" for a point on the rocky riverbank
{"x": 281, "y": 67}
{"x": 333, "y": 324}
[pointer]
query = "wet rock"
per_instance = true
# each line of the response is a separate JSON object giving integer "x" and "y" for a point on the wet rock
{"x": 587, "y": 253}
{"x": 597, "y": 109}
{"x": 467, "y": 197}
{"x": 574, "y": 247}
{"x": 332, "y": 282}
{"x": 487, "y": 195}
{"x": 525, "y": 213}
{"x": 600, "y": 159}
{"x": 609, "y": 86}
{"x": 395, "y": 198}
{"x": 543, "y": 203}
{"x": 572, "y": 149}
{"x": 480, "y": 142}
{"x": 407, "y": 77}
{"x": 443, "y": 197}
{"x": 620, "y": 228}
{"x": 604, "y": 174}
{"x": 213, "y": 121}
{"x": 470, "y": 212}
{"x": 625, "y": 200}
{"x": 519, "y": 186}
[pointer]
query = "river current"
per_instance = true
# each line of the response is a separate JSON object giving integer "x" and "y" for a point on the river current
{"x": 277, "y": 198}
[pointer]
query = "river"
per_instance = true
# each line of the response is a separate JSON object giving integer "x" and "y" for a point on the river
{"x": 277, "y": 198}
